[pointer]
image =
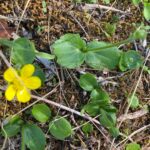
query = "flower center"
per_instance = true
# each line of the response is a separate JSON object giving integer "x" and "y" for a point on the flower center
{"x": 18, "y": 84}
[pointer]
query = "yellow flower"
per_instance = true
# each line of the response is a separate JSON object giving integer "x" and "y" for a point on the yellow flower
{"x": 21, "y": 83}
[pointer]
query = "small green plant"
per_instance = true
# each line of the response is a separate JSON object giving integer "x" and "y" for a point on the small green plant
{"x": 72, "y": 51}
{"x": 110, "y": 29}
{"x": 133, "y": 146}
{"x": 146, "y": 69}
{"x": 87, "y": 128}
{"x": 133, "y": 101}
{"x": 106, "y": 1}
{"x": 141, "y": 31}
{"x": 146, "y": 10}
{"x": 130, "y": 60}
{"x": 99, "y": 104}
{"x": 44, "y": 5}
{"x": 39, "y": 28}
{"x": 22, "y": 51}
{"x": 32, "y": 136}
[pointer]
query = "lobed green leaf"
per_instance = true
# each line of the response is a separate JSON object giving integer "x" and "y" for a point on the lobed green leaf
{"x": 102, "y": 58}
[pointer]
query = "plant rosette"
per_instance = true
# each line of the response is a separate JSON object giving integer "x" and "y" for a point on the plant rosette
{"x": 72, "y": 51}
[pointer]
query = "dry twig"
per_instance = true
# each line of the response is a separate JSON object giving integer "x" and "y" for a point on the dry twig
{"x": 94, "y": 6}
{"x": 66, "y": 108}
{"x": 134, "y": 115}
{"x": 132, "y": 134}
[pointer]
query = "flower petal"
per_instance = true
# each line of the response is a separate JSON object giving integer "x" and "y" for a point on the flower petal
{"x": 32, "y": 82}
{"x": 27, "y": 71}
{"x": 9, "y": 74}
{"x": 23, "y": 95}
{"x": 10, "y": 92}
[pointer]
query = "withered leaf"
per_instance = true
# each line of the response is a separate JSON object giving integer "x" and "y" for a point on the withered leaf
{"x": 5, "y": 30}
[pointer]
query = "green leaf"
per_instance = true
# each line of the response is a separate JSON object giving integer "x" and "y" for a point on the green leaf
{"x": 91, "y": 1}
{"x": 5, "y": 42}
{"x": 73, "y": 39}
{"x": 87, "y": 1}
{"x": 23, "y": 52}
{"x": 87, "y": 128}
{"x": 146, "y": 69}
{"x": 33, "y": 137}
{"x": 44, "y": 5}
{"x": 39, "y": 28}
{"x": 104, "y": 58}
{"x": 136, "y": 2}
{"x": 139, "y": 34}
{"x": 133, "y": 101}
{"x": 93, "y": 107}
{"x": 16, "y": 119}
{"x": 107, "y": 119}
{"x": 114, "y": 131}
{"x": 88, "y": 82}
{"x": 146, "y": 10}
{"x": 71, "y": 52}
{"x": 13, "y": 127}
{"x": 107, "y": 1}
{"x": 99, "y": 94}
{"x": 41, "y": 112}
{"x": 11, "y": 130}
{"x": 45, "y": 55}
{"x": 78, "y": 1}
{"x": 146, "y": 27}
{"x": 130, "y": 60}
{"x": 60, "y": 128}
{"x": 110, "y": 29}
{"x": 68, "y": 50}
{"x": 111, "y": 109}
{"x": 133, "y": 146}
{"x": 69, "y": 56}
{"x": 39, "y": 73}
